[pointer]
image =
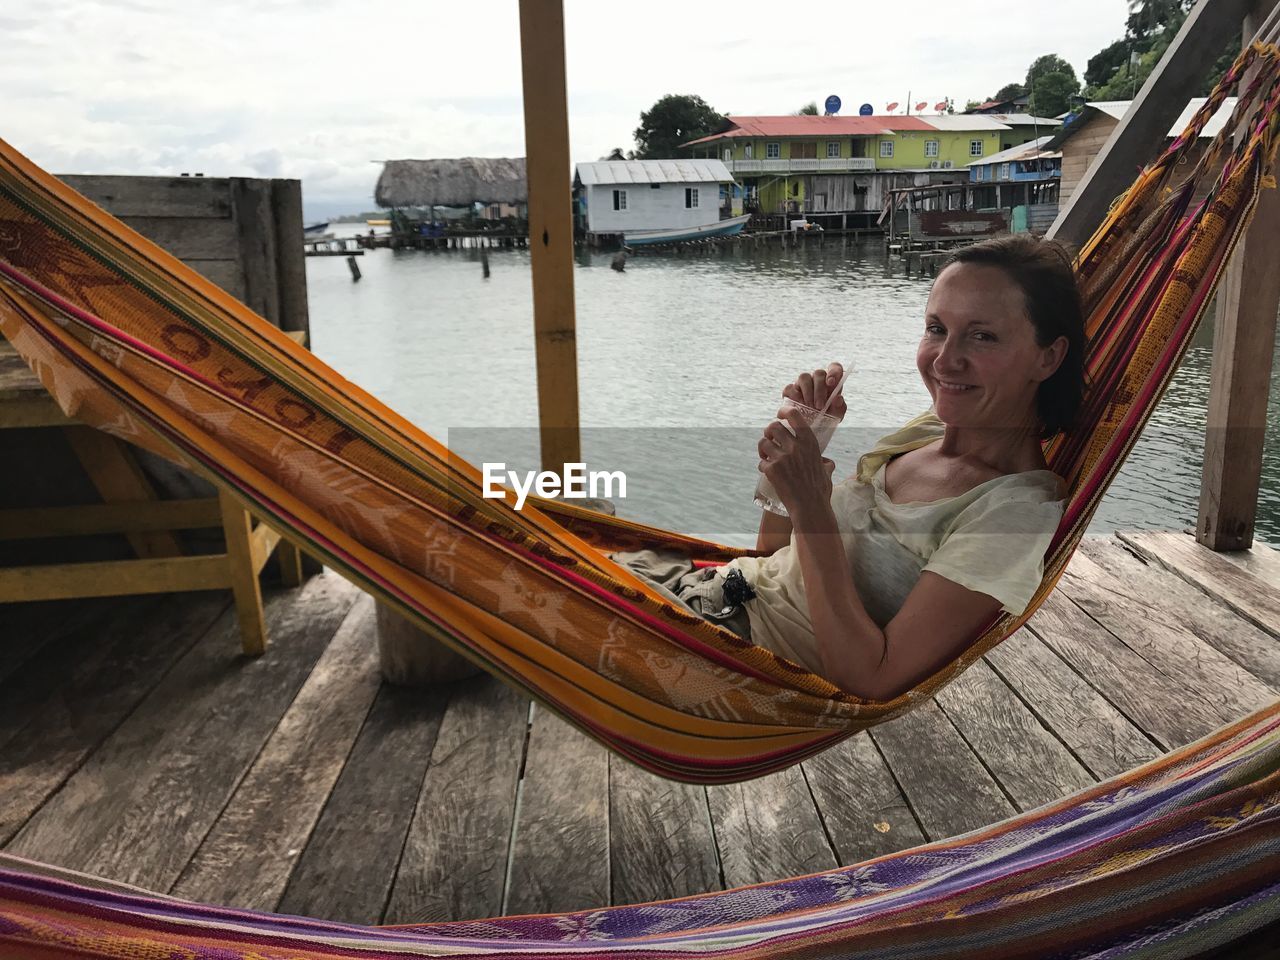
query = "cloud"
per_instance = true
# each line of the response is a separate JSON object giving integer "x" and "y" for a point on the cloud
{"x": 317, "y": 89}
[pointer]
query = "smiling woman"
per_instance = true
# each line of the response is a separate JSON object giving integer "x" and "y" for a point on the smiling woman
{"x": 879, "y": 580}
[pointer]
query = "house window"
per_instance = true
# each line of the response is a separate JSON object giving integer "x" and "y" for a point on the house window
{"x": 931, "y": 148}
{"x": 728, "y": 154}
{"x": 748, "y": 150}
{"x": 773, "y": 151}
{"x": 619, "y": 199}
{"x": 833, "y": 148}
{"x": 655, "y": 186}
{"x": 975, "y": 148}
{"x": 886, "y": 148}
{"x": 690, "y": 197}
{"x": 1004, "y": 171}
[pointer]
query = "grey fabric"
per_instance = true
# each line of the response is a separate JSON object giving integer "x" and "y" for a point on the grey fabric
{"x": 700, "y": 590}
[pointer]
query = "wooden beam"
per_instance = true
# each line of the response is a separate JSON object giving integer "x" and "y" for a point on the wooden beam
{"x": 113, "y": 578}
{"x": 546, "y": 133}
{"x": 118, "y": 476}
{"x": 1244, "y": 337}
{"x": 34, "y": 523}
{"x": 1177, "y": 78}
{"x": 236, "y": 526}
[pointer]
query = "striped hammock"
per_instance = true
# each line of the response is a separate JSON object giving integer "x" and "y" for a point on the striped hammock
{"x": 1175, "y": 858}
{"x": 128, "y": 339}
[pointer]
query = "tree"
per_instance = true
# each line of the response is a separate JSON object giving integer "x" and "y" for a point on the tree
{"x": 1051, "y": 83}
{"x": 1103, "y": 64}
{"x": 1118, "y": 71}
{"x": 616, "y": 154}
{"x": 1049, "y": 63}
{"x": 1008, "y": 92}
{"x": 810, "y": 109}
{"x": 671, "y": 121}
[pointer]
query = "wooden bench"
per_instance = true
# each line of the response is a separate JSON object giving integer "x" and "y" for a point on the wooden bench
{"x": 130, "y": 506}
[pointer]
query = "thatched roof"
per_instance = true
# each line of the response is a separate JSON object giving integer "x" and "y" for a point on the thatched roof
{"x": 451, "y": 183}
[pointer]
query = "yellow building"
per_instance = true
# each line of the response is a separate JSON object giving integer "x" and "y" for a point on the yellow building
{"x": 813, "y": 164}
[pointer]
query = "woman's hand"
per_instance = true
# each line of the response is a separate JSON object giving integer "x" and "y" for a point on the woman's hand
{"x": 790, "y": 458}
{"x": 812, "y": 389}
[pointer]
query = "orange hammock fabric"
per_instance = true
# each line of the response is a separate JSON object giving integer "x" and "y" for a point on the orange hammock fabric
{"x": 130, "y": 340}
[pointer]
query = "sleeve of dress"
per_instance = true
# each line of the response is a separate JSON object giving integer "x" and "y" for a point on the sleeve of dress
{"x": 998, "y": 548}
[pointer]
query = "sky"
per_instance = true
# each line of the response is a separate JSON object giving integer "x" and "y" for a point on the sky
{"x": 324, "y": 91}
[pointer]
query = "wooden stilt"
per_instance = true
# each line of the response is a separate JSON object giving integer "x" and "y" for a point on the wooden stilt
{"x": 1243, "y": 341}
{"x": 546, "y": 125}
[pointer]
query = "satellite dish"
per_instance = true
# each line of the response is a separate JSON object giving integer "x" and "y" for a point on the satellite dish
{"x": 866, "y": 110}
{"x": 833, "y": 104}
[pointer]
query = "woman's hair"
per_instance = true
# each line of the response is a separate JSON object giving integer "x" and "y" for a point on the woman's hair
{"x": 1042, "y": 269}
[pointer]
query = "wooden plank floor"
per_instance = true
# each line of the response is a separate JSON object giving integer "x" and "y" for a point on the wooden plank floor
{"x": 137, "y": 743}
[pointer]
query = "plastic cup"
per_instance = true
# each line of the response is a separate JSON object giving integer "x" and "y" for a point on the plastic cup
{"x": 823, "y": 426}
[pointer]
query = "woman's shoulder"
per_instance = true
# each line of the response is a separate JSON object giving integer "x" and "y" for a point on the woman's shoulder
{"x": 916, "y": 432}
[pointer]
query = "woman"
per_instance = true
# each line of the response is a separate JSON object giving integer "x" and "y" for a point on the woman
{"x": 879, "y": 581}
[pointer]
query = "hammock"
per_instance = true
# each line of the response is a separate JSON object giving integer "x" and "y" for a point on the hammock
{"x": 1169, "y": 860}
{"x": 128, "y": 339}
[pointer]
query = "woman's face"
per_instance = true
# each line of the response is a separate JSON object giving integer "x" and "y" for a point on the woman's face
{"x": 978, "y": 357}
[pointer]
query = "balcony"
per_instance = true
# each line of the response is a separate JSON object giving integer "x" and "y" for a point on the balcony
{"x": 821, "y": 165}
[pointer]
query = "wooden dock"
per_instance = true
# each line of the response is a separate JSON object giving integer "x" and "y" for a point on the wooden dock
{"x": 138, "y": 744}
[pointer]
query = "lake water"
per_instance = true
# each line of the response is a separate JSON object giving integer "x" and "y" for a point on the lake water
{"x": 681, "y": 361}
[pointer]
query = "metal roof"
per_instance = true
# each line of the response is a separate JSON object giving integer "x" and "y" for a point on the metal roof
{"x": 1116, "y": 109}
{"x": 976, "y": 122}
{"x": 1112, "y": 108}
{"x": 1024, "y": 151}
{"x": 654, "y": 171}
{"x": 811, "y": 126}
{"x": 1024, "y": 120}
{"x": 1216, "y": 122}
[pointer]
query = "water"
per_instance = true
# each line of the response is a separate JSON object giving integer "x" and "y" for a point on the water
{"x": 681, "y": 361}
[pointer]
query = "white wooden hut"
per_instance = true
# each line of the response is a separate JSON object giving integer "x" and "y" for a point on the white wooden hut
{"x": 616, "y": 196}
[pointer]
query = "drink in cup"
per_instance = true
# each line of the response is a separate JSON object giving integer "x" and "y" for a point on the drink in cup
{"x": 823, "y": 426}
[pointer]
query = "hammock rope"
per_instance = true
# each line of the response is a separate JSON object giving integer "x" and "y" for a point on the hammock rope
{"x": 128, "y": 339}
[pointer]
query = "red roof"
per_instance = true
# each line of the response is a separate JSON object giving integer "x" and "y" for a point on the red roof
{"x": 811, "y": 126}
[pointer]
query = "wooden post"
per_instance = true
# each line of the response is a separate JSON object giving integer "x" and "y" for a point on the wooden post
{"x": 1244, "y": 337}
{"x": 291, "y": 267}
{"x": 237, "y": 526}
{"x": 546, "y": 134}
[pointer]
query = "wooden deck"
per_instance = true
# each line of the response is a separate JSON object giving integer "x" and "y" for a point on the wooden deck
{"x": 137, "y": 743}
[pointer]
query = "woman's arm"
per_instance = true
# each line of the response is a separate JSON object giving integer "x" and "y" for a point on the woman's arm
{"x": 775, "y": 532}
{"x": 937, "y": 620}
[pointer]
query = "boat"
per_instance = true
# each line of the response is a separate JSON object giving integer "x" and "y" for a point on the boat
{"x": 378, "y": 223}
{"x": 315, "y": 229}
{"x": 723, "y": 228}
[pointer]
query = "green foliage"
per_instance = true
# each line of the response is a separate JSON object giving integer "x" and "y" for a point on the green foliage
{"x": 1103, "y": 64}
{"x": 810, "y": 109}
{"x": 671, "y": 121}
{"x": 1052, "y": 92}
{"x": 1149, "y": 29}
{"x": 1008, "y": 92}
{"x": 1047, "y": 65}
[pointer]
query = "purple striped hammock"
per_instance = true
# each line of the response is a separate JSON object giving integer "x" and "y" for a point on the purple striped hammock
{"x": 1181, "y": 852}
